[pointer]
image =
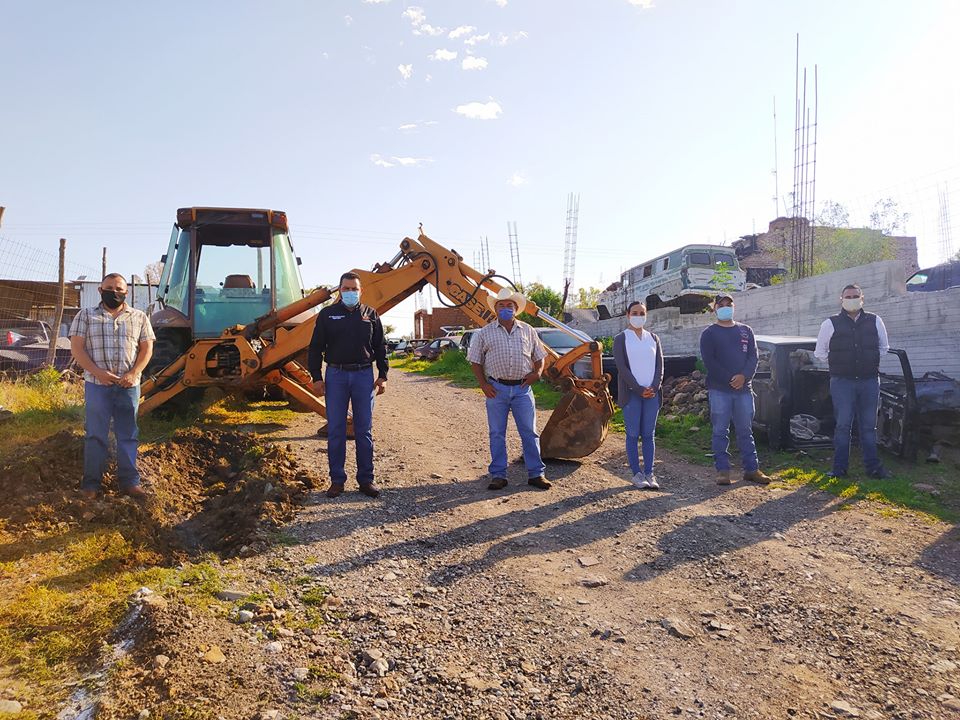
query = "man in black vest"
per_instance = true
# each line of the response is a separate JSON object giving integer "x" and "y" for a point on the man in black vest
{"x": 852, "y": 342}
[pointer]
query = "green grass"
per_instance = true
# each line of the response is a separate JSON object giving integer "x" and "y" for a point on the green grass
{"x": 42, "y": 403}
{"x": 689, "y": 437}
{"x": 454, "y": 367}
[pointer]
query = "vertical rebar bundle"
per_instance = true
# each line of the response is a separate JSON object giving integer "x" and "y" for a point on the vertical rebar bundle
{"x": 514, "y": 252}
{"x": 946, "y": 234}
{"x": 804, "y": 175}
{"x": 570, "y": 243}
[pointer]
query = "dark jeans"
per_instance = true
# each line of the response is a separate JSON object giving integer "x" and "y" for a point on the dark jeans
{"x": 356, "y": 389}
{"x": 738, "y": 407}
{"x": 103, "y": 403}
{"x": 855, "y": 398}
{"x": 640, "y": 422}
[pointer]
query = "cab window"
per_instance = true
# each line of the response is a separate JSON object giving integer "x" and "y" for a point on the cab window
{"x": 699, "y": 258}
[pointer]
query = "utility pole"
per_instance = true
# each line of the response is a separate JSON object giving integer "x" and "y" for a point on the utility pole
{"x": 55, "y": 331}
{"x": 104, "y": 274}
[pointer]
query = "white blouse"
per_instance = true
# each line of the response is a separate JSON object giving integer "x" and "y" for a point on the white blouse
{"x": 642, "y": 356}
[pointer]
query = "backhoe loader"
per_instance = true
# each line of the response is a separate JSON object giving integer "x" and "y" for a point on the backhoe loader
{"x": 270, "y": 350}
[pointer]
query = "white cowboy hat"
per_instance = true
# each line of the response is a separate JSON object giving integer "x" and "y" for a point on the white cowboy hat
{"x": 507, "y": 294}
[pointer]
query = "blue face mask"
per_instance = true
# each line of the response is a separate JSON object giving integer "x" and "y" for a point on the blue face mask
{"x": 350, "y": 298}
{"x": 725, "y": 313}
{"x": 505, "y": 314}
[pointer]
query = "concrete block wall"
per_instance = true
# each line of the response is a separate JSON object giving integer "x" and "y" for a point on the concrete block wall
{"x": 926, "y": 325}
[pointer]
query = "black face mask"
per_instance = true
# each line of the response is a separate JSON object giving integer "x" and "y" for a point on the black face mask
{"x": 112, "y": 299}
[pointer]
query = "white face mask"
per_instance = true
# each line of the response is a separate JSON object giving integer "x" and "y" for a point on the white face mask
{"x": 638, "y": 321}
{"x": 852, "y": 304}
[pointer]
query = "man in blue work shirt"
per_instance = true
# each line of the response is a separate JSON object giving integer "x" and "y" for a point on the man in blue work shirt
{"x": 349, "y": 336}
{"x": 729, "y": 352}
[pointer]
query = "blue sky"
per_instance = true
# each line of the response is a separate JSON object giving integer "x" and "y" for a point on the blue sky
{"x": 356, "y": 118}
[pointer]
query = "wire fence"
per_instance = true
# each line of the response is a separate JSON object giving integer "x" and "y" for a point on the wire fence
{"x": 29, "y": 282}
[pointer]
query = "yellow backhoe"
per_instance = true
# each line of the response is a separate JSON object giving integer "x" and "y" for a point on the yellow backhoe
{"x": 270, "y": 351}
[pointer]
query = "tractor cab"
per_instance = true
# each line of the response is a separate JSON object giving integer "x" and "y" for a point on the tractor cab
{"x": 226, "y": 267}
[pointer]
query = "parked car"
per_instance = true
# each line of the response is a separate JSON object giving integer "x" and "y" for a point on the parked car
{"x": 406, "y": 347}
{"x": 435, "y": 348}
{"x": 939, "y": 277}
{"x": 391, "y": 344}
{"x": 24, "y": 345}
{"x": 466, "y": 339}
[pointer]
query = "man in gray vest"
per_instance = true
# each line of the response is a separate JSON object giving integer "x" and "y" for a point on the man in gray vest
{"x": 852, "y": 342}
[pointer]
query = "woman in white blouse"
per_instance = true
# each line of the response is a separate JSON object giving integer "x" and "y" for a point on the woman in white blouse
{"x": 639, "y": 359}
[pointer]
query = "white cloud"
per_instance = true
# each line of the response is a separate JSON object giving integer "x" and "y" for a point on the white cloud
{"x": 474, "y": 63}
{"x": 443, "y": 54}
{"x": 406, "y": 71}
{"x": 347, "y": 20}
{"x": 418, "y": 18}
{"x": 642, "y": 4}
{"x": 507, "y": 39}
{"x": 375, "y": 2}
{"x": 517, "y": 179}
{"x": 428, "y": 78}
{"x": 432, "y": 122}
{"x": 390, "y": 162}
{"x": 415, "y": 14}
{"x": 501, "y": 3}
{"x": 474, "y": 39}
{"x": 480, "y": 111}
{"x": 462, "y": 30}
{"x": 406, "y": 127}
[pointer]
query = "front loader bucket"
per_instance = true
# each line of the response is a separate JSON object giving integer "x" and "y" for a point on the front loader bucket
{"x": 579, "y": 424}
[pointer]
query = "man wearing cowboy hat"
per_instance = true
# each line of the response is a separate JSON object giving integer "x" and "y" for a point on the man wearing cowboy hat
{"x": 507, "y": 358}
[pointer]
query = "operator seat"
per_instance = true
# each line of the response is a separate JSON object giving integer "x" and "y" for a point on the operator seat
{"x": 244, "y": 282}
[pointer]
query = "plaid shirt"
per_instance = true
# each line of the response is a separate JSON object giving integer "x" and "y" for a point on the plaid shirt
{"x": 112, "y": 343}
{"x": 506, "y": 355}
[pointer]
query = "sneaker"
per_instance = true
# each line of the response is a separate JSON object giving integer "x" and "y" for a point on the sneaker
{"x": 881, "y": 474}
{"x": 639, "y": 480}
{"x": 497, "y": 483}
{"x": 757, "y": 476}
{"x": 540, "y": 482}
{"x": 723, "y": 477}
{"x": 652, "y": 482}
{"x": 370, "y": 490}
{"x": 334, "y": 490}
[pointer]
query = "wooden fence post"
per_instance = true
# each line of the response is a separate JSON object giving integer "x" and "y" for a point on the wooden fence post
{"x": 55, "y": 331}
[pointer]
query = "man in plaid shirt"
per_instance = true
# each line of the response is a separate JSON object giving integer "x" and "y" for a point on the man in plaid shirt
{"x": 507, "y": 359}
{"x": 113, "y": 343}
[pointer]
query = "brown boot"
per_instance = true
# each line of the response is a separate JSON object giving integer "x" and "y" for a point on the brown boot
{"x": 540, "y": 482}
{"x": 723, "y": 477}
{"x": 497, "y": 483}
{"x": 757, "y": 476}
{"x": 334, "y": 491}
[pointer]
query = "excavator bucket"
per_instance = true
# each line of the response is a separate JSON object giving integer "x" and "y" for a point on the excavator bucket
{"x": 579, "y": 424}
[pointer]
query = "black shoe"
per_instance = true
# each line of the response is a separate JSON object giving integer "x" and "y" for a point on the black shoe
{"x": 370, "y": 490}
{"x": 881, "y": 474}
{"x": 540, "y": 482}
{"x": 334, "y": 490}
{"x": 497, "y": 483}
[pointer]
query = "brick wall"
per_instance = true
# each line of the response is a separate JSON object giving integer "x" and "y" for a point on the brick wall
{"x": 429, "y": 324}
{"x": 926, "y": 325}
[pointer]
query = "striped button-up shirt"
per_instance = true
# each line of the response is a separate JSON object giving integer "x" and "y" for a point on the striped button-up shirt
{"x": 112, "y": 342}
{"x": 506, "y": 355}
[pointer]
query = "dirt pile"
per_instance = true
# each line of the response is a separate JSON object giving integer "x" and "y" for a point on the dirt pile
{"x": 207, "y": 490}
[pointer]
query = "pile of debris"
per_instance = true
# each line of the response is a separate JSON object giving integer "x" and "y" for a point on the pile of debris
{"x": 686, "y": 395}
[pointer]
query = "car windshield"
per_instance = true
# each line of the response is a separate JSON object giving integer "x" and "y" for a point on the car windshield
{"x": 699, "y": 258}
{"x": 558, "y": 340}
{"x": 917, "y": 279}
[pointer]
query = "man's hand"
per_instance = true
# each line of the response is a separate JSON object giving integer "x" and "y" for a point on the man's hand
{"x": 319, "y": 387}
{"x": 737, "y": 381}
{"x": 648, "y": 392}
{"x": 489, "y": 390}
{"x": 531, "y": 378}
{"x": 381, "y": 385}
{"x": 105, "y": 377}
{"x": 128, "y": 379}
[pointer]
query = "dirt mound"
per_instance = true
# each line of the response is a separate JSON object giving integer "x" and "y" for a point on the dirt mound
{"x": 208, "y": 490}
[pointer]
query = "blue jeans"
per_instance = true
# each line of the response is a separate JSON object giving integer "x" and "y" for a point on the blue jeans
{"x": 855, "y": 398}
{"x": 103, "y": 403}
{"x": 640, "y": 421}
{"x": 356, "y": 388}
{"x": 519, "y": 400}
{"x": 738, "y": 407}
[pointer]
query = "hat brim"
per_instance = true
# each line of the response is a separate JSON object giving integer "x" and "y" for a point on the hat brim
{"x": 519, "y": 300}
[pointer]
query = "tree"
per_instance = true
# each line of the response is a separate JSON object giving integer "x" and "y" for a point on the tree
{"x": 388, "y": 330}
{"x": 722, "y": 280}
{"x": 547, "y": 299}
{"x": 841, "y": 248}
{"x": 588, "y": 298}
{"x": 833, "y": 215}
{"x": 152, "y": 272}
{"x": 887, "y": 217}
